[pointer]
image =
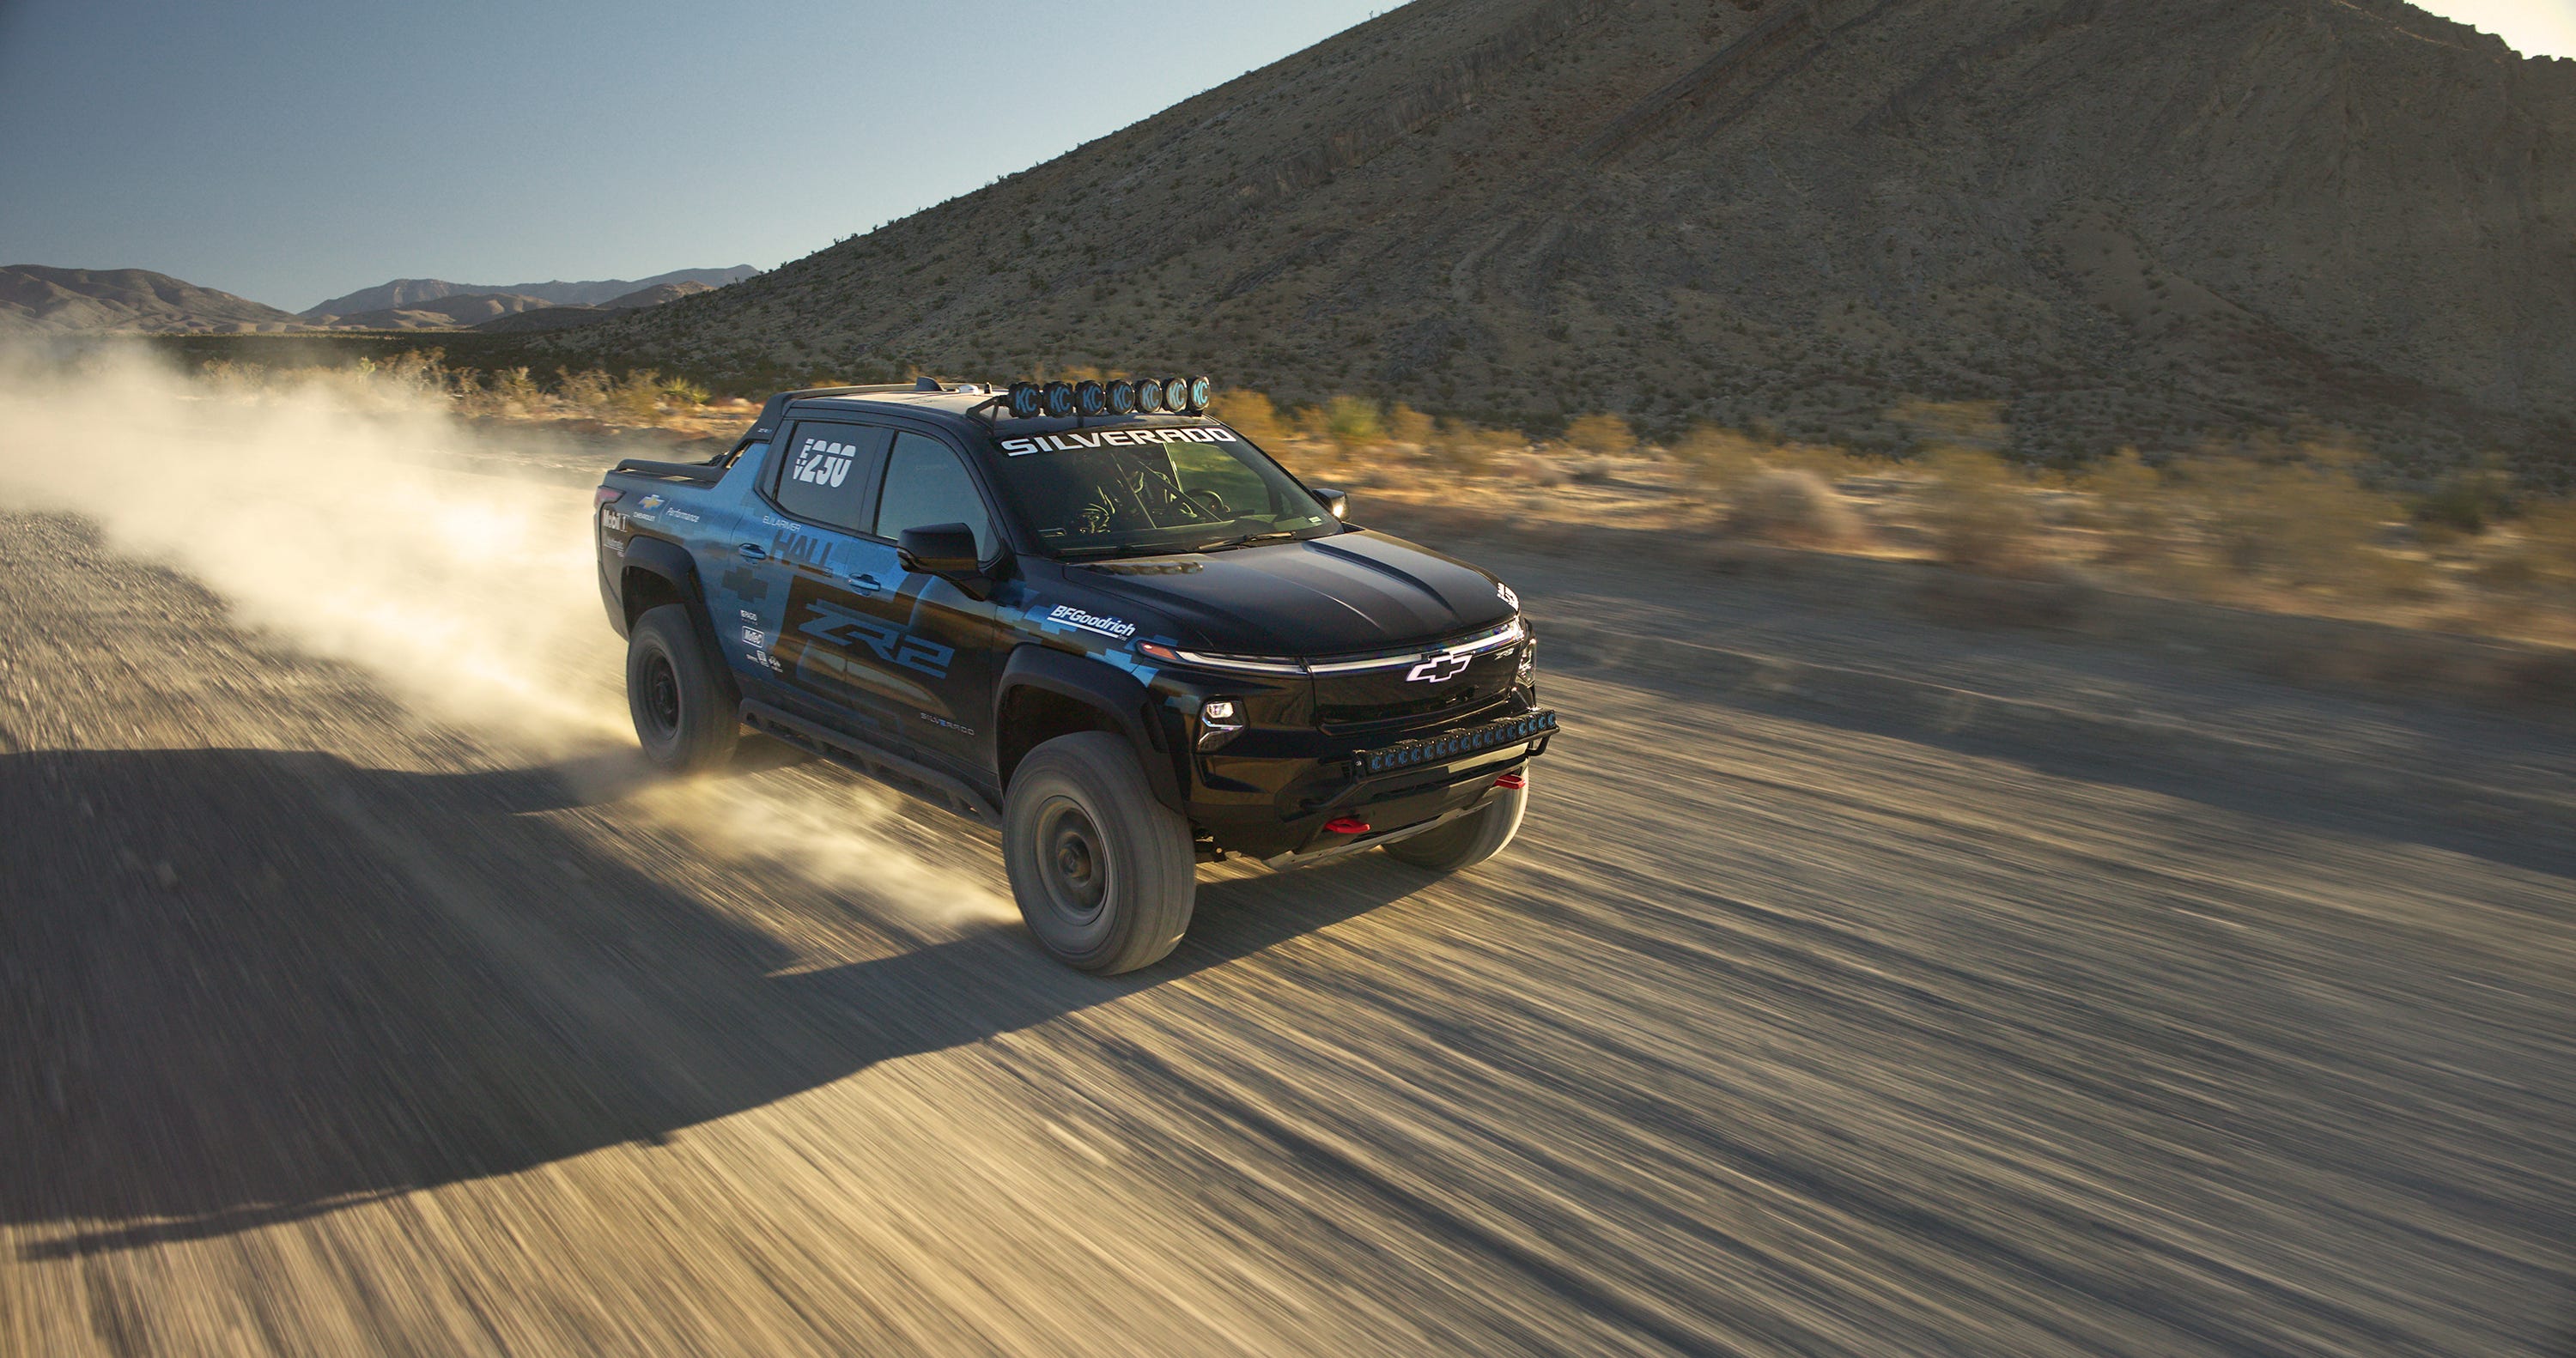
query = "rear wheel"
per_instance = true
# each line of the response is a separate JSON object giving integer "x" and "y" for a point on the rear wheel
{"x": 684, "y": 718}
{"x": 1105, "y": 875}
{"x": 1470, "y": 839}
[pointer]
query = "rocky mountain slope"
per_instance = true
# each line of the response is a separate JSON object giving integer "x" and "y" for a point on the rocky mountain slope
{"x": 2128, "y": 223}
{"x": 36, "y": 298}
{"x": 414, "y": 294}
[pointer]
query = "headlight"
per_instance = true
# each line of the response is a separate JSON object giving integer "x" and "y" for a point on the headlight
{"x": 1220, "y": 720}
{"x": 1527, "y": 674}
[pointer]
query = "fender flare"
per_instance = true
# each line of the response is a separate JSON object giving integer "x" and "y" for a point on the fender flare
{"x": 669, "y": 560}
{"x": 1115, "y": 694}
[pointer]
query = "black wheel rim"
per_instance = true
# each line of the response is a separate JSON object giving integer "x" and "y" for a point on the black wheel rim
{"x": 661, "y": 694}
{"x": 1073, "y": 860}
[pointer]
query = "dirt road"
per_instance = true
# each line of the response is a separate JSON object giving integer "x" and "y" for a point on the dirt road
{"x": 1796, "y": 1024}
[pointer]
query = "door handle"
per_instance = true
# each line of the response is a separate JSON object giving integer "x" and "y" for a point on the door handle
{"x": 865, "y": 584}
{"x": 748, "y": 552}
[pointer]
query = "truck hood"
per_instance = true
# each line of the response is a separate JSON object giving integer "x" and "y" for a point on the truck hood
{"x": 1351, "y": 592}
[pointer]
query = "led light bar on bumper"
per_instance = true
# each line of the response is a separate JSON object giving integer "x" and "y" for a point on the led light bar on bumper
{"x": 1455, "y": 744}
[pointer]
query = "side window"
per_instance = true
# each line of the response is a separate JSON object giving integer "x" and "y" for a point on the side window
{"x": 925, "y": 484}
{"x": 827, "y": 471}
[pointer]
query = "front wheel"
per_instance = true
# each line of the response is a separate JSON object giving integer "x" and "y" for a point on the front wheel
{"x": 1105, "y": 875}
{"x": 1470, "y": 839}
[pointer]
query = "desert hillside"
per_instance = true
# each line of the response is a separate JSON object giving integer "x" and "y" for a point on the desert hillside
{"x": 419, "y": 294}
{"x": 36, "y": 298}
{"x": 2146, "y": 224}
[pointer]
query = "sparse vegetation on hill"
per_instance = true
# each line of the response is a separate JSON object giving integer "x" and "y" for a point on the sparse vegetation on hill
{"x": 2150, "y": 225}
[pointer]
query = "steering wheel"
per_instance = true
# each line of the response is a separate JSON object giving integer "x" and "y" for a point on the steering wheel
{"x": 1212, "y": 502}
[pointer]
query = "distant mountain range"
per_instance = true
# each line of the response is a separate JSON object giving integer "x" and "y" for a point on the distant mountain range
{"x": 34, "y": 298}
{"x": 410, "y": 294}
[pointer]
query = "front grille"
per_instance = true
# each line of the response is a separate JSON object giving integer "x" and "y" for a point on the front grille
{"x": 1455, "y": 744}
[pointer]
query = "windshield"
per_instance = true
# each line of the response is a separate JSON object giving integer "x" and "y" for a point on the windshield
{"x": 1135, "y": 491}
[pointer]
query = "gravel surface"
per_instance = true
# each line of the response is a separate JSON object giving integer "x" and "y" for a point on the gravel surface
{"x": 1787, "y": 1028}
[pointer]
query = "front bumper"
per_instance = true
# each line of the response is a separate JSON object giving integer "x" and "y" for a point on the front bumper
{"x": 1398, "y": 789}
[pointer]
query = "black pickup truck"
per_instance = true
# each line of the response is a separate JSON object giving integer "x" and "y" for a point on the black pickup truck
{"x": 1089, "y": 615}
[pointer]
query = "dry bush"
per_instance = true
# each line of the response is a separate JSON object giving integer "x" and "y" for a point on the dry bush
{"x": 638, "y": 398}
{"x": 2540, "y": 563}
{"x": 513, "y": 392}
{"x": 1591, "y": 470}
{"x": 1788, "y": 504}
{"x": 1250, "y": 414}
{"x": 1404, "y": 424}
{"x": 683, "y": 392}
{"x": 1978, "y": 517}
{"x": 2308, "y": 524}
{"x": 1542, "y": 471}
{"x": 584, "y": 393}
{"x": 1467, "y": 448}
{"x": 2131, "y": 507}
{"x": 1715, "y": 459}
{"x": 1353, "y": 422}
{"x": 1601, "y": 434}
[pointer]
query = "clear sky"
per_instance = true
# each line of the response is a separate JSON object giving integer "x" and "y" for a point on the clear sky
{"x": 294, "y": 150}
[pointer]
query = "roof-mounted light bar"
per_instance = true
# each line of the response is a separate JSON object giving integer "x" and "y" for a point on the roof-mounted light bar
{"x": 1124, "y": 396}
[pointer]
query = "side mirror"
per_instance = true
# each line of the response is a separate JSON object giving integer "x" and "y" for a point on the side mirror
{"x": 939, "y": 549}
{"x": 1336, "y": 503}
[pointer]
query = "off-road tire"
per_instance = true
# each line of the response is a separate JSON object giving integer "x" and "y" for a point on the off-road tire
{"x": 1105, "y": 875}
{"x": 685, "y": 717}
{"x": 1470, "y": 839}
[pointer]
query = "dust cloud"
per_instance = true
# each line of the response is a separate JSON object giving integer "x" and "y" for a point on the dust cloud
{"x": 320, "y": 510}
{"x": 333, "y": 512}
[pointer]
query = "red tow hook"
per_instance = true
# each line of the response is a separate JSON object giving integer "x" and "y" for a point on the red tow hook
{"x": 1346, "y": 825}
{"x": 1511, "y": 780}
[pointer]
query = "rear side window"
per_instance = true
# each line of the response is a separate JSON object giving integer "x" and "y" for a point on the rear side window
{"x": 925, "y": 484}
{"x": 828, "y": 471}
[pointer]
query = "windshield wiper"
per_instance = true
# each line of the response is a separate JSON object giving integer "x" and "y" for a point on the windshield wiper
{"x": 1247, "y": 540}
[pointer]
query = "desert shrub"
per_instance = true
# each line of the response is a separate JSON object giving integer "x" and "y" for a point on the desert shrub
{"x": 1714, "y": 458}
{"x": 1467, "y": 448}
{"x": 512, "y": 392}
{"x": 1978, "y": 517}
{"x": 1404, "y": 424}
{"x": 1590, "y": 470}
{"x": 2463, "y": 504}
{"x": 1250, "y": 414}
{"x": 583, "y": 393}
{"x": 1353, "y": 422}
{"x": 2305, "y": 523}
{"x": 638, "y": 398}
{"x": 1542, "y": 471}
{"x": 682, "y": 391}
{"x": 2541, "y": 557}
{"x": 1788, "y": 504}
{"x": 2130, "y": 505}
{"x": 1601, "y": 434}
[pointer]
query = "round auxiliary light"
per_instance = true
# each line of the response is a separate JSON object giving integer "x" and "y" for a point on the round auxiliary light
{"x": 1028, "y": 400}
{"x": 1060, "y": 399}
{"x": 1149, "y": 395}
{"x": 1176, "y": 393}
{"x": 1091, "y": 397}
{"x": 1122, "y": 397}
{"x": 1201, "y": 388}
